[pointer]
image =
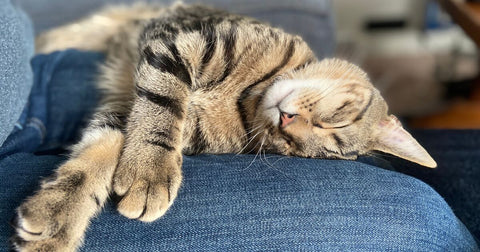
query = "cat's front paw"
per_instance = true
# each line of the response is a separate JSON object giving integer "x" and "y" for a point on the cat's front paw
{"x": 43, "y": 221}
{"x": 146, "y": 191}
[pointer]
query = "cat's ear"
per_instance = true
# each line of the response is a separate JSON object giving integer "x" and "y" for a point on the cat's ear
{"x": 392, "y": 138}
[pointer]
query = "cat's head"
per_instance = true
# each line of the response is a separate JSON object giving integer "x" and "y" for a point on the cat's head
{"x": 330, "y": 109}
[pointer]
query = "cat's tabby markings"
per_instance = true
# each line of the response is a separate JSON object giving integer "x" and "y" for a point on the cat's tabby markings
{"x": 187, "y": 80}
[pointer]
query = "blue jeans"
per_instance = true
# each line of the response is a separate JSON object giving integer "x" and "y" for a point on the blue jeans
{"x": 228, "y": 202}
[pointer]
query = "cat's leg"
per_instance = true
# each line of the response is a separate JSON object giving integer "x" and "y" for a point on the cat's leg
{"x": 94, "y": 31}
{"x": 56, "y": 217}
{"x": 149, "y": 172}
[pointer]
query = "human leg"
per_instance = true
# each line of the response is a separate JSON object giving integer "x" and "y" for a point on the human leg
{"x": 286, "y": 204}
{"x": 228, "y": 204}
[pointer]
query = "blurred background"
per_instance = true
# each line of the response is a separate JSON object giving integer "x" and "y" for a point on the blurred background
{"x": 424, "y": 63}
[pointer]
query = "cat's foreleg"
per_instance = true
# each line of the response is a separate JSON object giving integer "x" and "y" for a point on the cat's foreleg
{"x": 149, "y": 172}
{"x": 56, "y": 217}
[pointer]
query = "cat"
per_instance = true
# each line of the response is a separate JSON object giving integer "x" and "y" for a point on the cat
{"x": 189, "y": 79}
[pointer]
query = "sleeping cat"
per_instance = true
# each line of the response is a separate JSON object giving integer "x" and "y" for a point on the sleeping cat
{"x": 197, "y": 80}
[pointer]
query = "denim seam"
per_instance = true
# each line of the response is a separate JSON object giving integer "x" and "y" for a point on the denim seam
{"x": 39, "y": 126}
{"x": 19, "y": 126}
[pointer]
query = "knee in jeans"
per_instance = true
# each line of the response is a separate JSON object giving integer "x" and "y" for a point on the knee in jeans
{"x": 431, "y": 219}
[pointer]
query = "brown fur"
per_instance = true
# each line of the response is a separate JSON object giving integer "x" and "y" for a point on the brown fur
{"x": 198, "y": 80}
{"x": 56, "y": 218}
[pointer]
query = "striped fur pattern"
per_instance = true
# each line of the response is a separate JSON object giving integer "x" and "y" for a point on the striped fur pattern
{"x": 197, "y": 80}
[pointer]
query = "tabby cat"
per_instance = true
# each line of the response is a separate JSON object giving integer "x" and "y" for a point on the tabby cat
{"x": 191, "y": 79}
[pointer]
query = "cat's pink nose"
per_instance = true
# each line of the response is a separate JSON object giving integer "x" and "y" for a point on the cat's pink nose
{"x": 286, "y": 119}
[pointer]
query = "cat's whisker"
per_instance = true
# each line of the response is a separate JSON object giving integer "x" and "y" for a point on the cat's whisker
{"x": 264, "y": 157}
{"x": 271, "y": 157}
{"x": 258, "y": 122}
{"x": 252, "y": 130}
{"x": 328, "y": 90}
{"x": 259, "y": 150}
{"x": 282, "y": 158}
{"x": 272, "y": 166}
{"x": 264, "y": 160}
{"x": 379, "y": 154}
{"x": 334, "y": 85}
{"x": 340, "y": 79}
{"x": 382, "y": 156}
{"x": 248, "y": 143}
{"x": 263, "y": 142}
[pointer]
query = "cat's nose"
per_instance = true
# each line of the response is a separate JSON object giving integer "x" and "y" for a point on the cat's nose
{"x": 286, "y": 119}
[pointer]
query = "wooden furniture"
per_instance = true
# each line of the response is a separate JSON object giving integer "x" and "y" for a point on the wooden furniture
{"x": 461, "y": 114}
{"x": 466, "y": 15}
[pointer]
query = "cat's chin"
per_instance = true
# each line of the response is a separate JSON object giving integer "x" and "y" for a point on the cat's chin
{"x": 272, "y": 115}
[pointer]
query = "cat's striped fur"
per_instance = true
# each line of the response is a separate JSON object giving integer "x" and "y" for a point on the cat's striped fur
{"x": 196, "y": 80}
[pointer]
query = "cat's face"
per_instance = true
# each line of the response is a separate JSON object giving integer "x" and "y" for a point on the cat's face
{"x": 331, "y": 110}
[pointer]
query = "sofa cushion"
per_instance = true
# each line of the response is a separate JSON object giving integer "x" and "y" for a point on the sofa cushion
{"x": 16, "y": 44}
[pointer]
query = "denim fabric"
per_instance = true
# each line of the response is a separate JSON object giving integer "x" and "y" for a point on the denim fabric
{"x": 16, "y": 48}
{"x": 457, "y": 177}
{"x": 60, "y": 101}
{"x": 228, "y": 202}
